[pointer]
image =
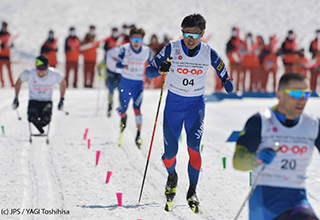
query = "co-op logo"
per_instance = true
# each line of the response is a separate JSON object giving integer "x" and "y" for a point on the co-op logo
{"x": 186, "y": 71}
{"x": 295, "y": 149}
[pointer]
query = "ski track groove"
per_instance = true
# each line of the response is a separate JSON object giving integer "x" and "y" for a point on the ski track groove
{"x": 42, "y": 186}
{"x": 30, "y": 192}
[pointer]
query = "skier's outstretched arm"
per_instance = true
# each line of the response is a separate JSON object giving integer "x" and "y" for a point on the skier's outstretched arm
{"x": 152, "y": 70}
{"x": 17, "y": 87}
{"x": 245, "y": 156}
{"x": 221, "y": 70}
{"x": 63, "y": 86}
{"x": 121, "y": 55}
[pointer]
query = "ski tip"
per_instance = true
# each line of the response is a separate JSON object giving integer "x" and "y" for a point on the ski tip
{"x": 196, "y": 209}
{"x": 139, "y": 145}
{"x": 169, "y": 206}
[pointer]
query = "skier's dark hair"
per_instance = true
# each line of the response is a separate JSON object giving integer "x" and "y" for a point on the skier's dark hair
{"x": 194, "y": 20}
{"x": 287, "y": 77}
{"x": 137, "y": 31}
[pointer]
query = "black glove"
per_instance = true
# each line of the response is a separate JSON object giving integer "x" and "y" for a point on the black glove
{"x": 15, "y": 103}
{"x": 225, "y": 80}
{"x": 227, "y": 84}
{"x": 60, "y": 105}
{"x": 164, "y": 67}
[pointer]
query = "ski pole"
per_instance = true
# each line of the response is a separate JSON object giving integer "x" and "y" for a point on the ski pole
{"x": 154, "y": 129}
{"x": 98, "y": 95}
{"x": 19, "y": 118}
{"x": 275, "y": 147}
{"x": 67, "y": 113}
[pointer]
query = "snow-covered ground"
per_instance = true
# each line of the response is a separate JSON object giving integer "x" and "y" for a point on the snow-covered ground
{"x": 63, "y": 174}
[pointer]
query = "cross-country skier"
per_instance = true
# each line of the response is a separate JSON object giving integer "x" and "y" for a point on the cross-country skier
{"x": 113, "y": 76}
{"x": 132, "y": 61}
{"x": 281, "y": 190}
{"x": 186, "y": 80}
{"x": 41, "y": 80}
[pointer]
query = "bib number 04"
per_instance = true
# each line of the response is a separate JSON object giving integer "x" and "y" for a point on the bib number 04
{"x": 186, "y": 82}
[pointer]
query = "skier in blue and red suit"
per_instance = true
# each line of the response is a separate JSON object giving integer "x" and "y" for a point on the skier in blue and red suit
{"x": 131, "y": 63}
{"x": 186, "y": 80}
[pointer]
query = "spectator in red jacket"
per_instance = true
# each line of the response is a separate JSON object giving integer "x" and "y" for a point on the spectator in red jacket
{"x": 154, "y": 45}
{"x": 50, "y": 48}
{"x": 5, "y": 53}
{"x": 314, "y": 49}
{"x": 268, "y": 58}
{"x": 234, "y": 57}
{"x": 89, "y": 46}
{"x": 72, "y": 52}
{"x": 288, "y": 51}
{"x": 246, "y": 61}
{"x": 111, "y": 41}
{"x": 251, "y": 62}
{"x": 300, "y": 63}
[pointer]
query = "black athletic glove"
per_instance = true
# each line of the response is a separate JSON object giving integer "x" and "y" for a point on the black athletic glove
{"x": 164, "y": 67}
{"x": 227, "y": 84}
{"x": 60, "y": 105}
{"x": 15, "y": 103}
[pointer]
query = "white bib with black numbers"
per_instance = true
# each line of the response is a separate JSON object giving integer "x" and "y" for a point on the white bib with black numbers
{"x": 288, "y": 169}
{"x": 41, "y": 89}
{"x": 136, "y": 62}
{"x": 188, "y": 75}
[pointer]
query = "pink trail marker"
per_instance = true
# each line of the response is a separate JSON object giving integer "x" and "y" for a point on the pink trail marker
{"x": 108, "y": 176}
{"x": 89, "y": 143}
{"x": 119, "y": 197}
{"x": 85, "y": 133}
{"x": 98, "y": 152}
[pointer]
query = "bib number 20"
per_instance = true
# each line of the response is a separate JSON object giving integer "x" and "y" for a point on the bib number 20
{"x": 288, "y": 164}
{"x": 186, "y": 82}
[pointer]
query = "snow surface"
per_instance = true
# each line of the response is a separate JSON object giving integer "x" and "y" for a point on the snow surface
{"x": 63, "y": 174}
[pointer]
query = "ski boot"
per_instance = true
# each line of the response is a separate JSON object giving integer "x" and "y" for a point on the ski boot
{"x": 110, "y": 101}
{"x": 109, "y": 110}
{"x": 138, "y": 140}
{"x": 170, "y": 191}
{"x": 123, "y": 123}
{"x": 192, "y": 199}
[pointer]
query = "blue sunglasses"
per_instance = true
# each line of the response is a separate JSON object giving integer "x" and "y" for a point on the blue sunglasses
{"x": 189, "y": 35}
{"x": 136, "y": 39}
{"x": 297, "y": 94}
